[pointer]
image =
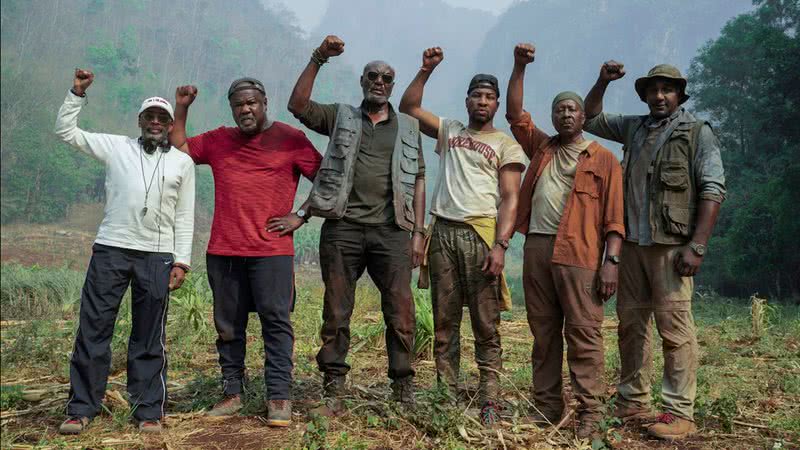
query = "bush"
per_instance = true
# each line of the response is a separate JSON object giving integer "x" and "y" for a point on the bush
{"x": 38, "y": 293}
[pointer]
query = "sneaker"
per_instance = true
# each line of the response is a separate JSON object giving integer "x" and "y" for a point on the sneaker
{"x": 490, "y": 414}
{"x": 74, "y": 425}
{"x": 403, "y": 390}
{"x": 150, "y": 426}
{"x": 279, "y": 413}
{"x": 631, "y": 413}
{"x": 228, "y": 406}
{"x": 671, "y": 427}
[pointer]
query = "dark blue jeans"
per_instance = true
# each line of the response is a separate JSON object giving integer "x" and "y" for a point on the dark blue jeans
{"x": 265, "y": 285}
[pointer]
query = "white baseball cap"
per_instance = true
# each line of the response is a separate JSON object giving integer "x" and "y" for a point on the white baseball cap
{"x": 158, "y": 102}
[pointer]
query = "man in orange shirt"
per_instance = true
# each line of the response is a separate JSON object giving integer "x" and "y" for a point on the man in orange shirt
{"x": 570, "y": 208}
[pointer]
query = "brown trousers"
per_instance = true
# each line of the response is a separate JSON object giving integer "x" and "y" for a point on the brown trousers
{"x": 564, "y": 298}
{"x": 346, "y": 249}
{"x": 649, "y": 287}
{"x": 456, "y": 255}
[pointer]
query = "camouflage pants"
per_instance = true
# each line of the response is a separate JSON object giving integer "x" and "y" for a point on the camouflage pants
{"x": 456, "y": 255}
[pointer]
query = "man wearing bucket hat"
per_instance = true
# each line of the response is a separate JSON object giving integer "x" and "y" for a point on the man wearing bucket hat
{"x": 570, "y": 210}
{"x": 250, "y": 259}
{"x": 145, "y": 240}
{"x": 674, "y": 184}
{"x": 474, "y": 206}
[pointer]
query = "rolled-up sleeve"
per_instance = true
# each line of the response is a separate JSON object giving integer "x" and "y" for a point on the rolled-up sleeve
{"x": 708, "y": 172}
{"x": 318, "y": 117}
{"x": 614, "y": 213}
{"x": 529, "y": 136}
{"x": 609, "y": 126}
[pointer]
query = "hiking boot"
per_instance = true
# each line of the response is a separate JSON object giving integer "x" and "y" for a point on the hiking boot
{"x": 279, "y": 413}
{"x": 490, "y": 414}
{"x": 588, "y": 429}
{"x": 74, "y": 425}
{"x": 330, "y": 407}
{"x": 150, "y": 426}
{"x": 403, "y": 390}
{"x": 541, "y": 420}
{"x": 333, "y": 385}
{"x": 629, "y": 413}
{"x": 671, "y": 427}
{"x": 230, "y": 405}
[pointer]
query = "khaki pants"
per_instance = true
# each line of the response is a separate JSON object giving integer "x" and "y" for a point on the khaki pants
{"x": 564, "y": 298}
{"x": 456, "y": 255}
{"x": 650, "y": 287}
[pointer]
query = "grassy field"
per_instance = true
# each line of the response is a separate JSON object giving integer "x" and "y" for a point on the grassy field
{"x": 748, "y": 393}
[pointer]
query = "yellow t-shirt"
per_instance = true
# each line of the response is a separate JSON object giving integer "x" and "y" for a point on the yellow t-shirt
{"x": 469, "y": 170}
{"x": 553, "y": 188}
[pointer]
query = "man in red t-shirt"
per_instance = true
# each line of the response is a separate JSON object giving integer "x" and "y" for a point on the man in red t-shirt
{"x": 250, "y": 262}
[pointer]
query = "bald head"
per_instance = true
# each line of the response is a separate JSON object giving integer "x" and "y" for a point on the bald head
{"x": 377, "y": 82}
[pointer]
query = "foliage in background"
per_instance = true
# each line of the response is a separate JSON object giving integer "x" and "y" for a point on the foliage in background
{"x": 136, "y": 49}
{"x": 34, "y": 292}
{"x": 747, "y": 82}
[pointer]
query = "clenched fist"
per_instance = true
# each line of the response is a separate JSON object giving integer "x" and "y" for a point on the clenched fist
{"x": 612, "y": 70}
{"x": 331, "y": 46}
{"x": 83, "y": 79}
{"x": 185, "y": 95}
{"x": 524, "y": 54}
{"x": 431, "y": 58}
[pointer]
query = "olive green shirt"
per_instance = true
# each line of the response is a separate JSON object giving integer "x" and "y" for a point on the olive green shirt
{"x": 370, "y": 200}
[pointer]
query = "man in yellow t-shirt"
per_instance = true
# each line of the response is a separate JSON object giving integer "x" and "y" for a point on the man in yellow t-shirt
{"x": 477, "y": 188}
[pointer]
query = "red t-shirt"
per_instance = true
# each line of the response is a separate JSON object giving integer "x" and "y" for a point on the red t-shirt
{"x": 255, "y": 179}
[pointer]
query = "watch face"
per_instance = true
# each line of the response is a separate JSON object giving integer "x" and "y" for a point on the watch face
{"x": 300, "y": 213}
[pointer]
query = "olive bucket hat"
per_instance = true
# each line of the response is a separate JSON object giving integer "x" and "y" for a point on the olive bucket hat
{"x": 662, "y": 71}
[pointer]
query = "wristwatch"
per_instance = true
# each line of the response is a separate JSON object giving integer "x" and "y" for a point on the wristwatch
{"x": 301, "y": 213}
{"x": 698, "y": 249}
{"x": 613, "y": 259}
{"x": 502, "y": 243}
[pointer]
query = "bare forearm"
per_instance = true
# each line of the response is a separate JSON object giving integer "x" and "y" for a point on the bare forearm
{"x": 594, "y": 99}
{"x": 613, "y": 243}
{"x": 506, "y": 216}
{"x": 419, "y": 203}
{"x": 515, "y": 92}
{"x": 707, "y": 212}
{"x": 412, "y": 97}
{"x": 301, "y": 93}
{"x": 177, "y": 137}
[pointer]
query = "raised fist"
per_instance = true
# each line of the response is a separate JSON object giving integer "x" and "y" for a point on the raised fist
{"x": 331, "y": 46}
{"x": 83, "y": 79}
{"x": 432, "y": 57}
{"x": 185, "y": 95}
{"x": 612, "y": 70}
{"x": 524, "y": 54}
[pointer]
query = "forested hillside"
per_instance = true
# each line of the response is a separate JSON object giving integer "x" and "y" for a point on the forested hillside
{"x": 136, "y": 49}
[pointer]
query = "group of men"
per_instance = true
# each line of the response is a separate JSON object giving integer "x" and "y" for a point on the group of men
{"x": 581, "y": 239}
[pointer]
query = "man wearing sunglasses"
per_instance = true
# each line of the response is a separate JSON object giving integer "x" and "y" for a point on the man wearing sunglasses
{"x": 474, "y": 206}
{"x": 145, "y": 240}
{"x": 250, "y": 258}
{"x": 371, "y": 191}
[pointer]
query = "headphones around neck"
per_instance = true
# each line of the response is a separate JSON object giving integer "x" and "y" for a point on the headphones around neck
{"x": 163, "y": 146}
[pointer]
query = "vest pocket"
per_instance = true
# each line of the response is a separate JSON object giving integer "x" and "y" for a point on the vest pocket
{"x": 675, "y": 175}
{"x": 329, "y": 184}
{"x": 676, "y": 219}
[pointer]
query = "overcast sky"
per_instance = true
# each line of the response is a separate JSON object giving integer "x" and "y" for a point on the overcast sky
{"x": 309, "y": 12}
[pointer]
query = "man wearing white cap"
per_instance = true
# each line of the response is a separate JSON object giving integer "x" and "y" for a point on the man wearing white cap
{"x": 145, "y": 240}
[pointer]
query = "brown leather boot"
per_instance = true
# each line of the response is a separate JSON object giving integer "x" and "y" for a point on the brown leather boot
{"x": 279, "y": 413}
{"x": 333, "y": 389}
{"x": 228, "y": 406}
{"x": 671, "y": 427}
{"x": 630, "y": 413}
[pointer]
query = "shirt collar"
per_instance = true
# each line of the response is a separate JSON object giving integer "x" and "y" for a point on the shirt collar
{"x": 652, "y": 122}
{"x": 392, "y": 114}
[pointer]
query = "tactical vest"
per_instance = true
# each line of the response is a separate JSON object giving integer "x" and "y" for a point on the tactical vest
{"x": 672, "y": 188}
{"x": 334, "y": 179}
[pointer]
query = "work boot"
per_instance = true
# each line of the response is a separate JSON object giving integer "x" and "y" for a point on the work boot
{"x": 332, "y": 391}
{"x": 630, "y": 413}
{"x": 74, "y": 425}
{"x": 671, "y": 427}
{"x": 490, "y": 414}
{"x": 403, "y": 390}
{"x": 544, "y": 420}
{"x": 231, "y": 404}
{"x": 150, "y": 426}
{"x": 588, "y": 428}
{"x": 279, "y": 413}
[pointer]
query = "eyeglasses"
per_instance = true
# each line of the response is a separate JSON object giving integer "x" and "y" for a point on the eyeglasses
{"x": 161, "y": 118}
{"x": 387, "y": 79}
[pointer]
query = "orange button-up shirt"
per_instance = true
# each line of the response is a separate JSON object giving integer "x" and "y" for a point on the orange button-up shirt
{"x": 594, "y": 207}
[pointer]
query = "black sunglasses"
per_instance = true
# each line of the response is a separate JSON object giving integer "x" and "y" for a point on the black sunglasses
{"x": 373, "y": 76}
{"x": 162, "y": 118}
